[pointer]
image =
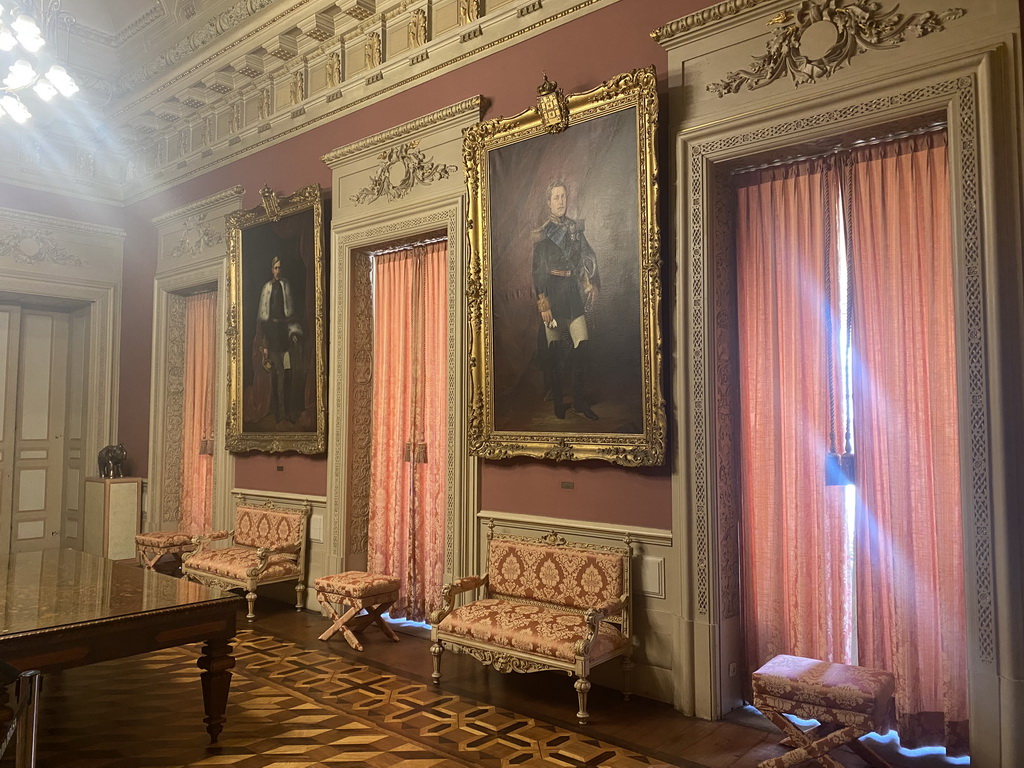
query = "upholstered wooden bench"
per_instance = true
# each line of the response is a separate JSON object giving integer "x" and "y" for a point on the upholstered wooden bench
{"x": 357, "y": 591}
{"x": 848, "y": 701}
{"x": 547, "y": 605}
{"x": 268, "y": 545}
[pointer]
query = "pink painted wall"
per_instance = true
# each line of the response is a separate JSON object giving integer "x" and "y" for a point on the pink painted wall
{"x": 578, "y": 55}
{"x": 589, "y": 491}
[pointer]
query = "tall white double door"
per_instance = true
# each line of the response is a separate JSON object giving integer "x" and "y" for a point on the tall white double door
{"x": 43, "y": 406}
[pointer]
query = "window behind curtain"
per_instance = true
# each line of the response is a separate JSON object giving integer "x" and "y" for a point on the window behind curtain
{"x": 808, "y": 579}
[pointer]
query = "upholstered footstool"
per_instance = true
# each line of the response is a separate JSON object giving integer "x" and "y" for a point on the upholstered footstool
{"x": 848, "y": 701}
{"x": 357, "y": 591}
{"x": 150, "y": 547}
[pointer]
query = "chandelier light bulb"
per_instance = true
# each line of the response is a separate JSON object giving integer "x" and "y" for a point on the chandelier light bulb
{"x": 61, "y": 80}
{"x": 13, "y": 107}
{"x": 20, "y": 75}
{"x": 44, "y": 90}
{"x": 7, "y": 40}
{"x": 28, "y": 33}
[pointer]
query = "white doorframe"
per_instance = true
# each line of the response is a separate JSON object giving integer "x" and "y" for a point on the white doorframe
{"x": 101, "y": 366}
{"x": 165, "y": 289}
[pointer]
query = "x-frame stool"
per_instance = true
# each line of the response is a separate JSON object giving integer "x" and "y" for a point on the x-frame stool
{"x": 355, "y": 592}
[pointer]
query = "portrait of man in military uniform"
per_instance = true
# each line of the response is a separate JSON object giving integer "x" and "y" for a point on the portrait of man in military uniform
{"x": 566, "y": 305}
{"x": 566, "y": 280}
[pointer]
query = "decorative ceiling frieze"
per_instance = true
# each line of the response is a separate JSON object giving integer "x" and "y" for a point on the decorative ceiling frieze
{"x": 247, "y": 75}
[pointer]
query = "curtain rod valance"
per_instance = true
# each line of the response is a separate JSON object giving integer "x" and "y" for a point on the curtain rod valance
{"x": 896, "y": 136}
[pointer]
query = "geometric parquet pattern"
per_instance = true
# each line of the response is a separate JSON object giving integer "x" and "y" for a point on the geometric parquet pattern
{"x": 291, "y": 707}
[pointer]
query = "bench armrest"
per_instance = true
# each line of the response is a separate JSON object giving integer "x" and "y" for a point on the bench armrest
{"x": 594, "y": 617}
{"x": 264, "y": 553}
{"x": 202, "y": 540}
{"x": 451, "y": 591}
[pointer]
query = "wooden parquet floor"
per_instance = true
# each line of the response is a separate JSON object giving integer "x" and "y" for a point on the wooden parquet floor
{"x": 296, "y": 702}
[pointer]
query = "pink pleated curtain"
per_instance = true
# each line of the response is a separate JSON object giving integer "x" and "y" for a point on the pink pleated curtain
{"x": 796, "y": 559}
{"x": 409, "y": 454}
{"x": 197, "y": 431}
{"x": 897, "y": 577}
{"x": 910, "y": 568}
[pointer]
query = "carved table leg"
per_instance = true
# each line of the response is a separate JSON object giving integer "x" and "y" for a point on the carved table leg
{"x": 216, "y": 663}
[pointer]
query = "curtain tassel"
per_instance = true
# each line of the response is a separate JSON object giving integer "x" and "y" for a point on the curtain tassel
{"x": 415, "y": 452}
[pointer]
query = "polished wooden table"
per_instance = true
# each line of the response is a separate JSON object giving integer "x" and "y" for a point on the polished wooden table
{"x": 64, "y": 608}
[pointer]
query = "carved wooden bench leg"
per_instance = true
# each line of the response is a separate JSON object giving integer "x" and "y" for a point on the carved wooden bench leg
{"x": 582, "y": 688}
{"x": 436, "y": 650}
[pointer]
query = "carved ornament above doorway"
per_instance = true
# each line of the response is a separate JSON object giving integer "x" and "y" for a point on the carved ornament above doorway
{"x": 823, "y": 37}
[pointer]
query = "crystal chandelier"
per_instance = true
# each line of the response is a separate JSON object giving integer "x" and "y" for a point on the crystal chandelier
{"x": 28, "y": 61}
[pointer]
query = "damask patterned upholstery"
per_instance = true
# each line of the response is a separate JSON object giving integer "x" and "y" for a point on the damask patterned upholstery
{"x": 357, "y": 592}
{"x": 268, "y": 544}
{"x": 857, "y": 699}
{"x": 151, "y": 546}
{"x": 278, "y": 529}
{"x": 236, "y": 562}
{"x": 163, "y": 539}
{"x": 548, "y": 605}
{"x": 819, "y": 690}
{"x": 577, "y": 578}
{"x": 532, "y": 628}
{"x": 357, "y": 584}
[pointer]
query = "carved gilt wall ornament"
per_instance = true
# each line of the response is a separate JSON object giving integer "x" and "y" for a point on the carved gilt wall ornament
{"x": 28, "y": 246}
{"x": 197, "y": 235}
{"x": 824, "y": 37}
{"x": 401, "y": 169}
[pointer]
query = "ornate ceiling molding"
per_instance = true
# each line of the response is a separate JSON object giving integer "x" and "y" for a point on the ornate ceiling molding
{"x": 40, "y": 221}
{"x": 122, "y": 36}
{"x": 703, "y": 18}
{"x": 847, "y": 29}
{"x": 231, "y": 194}
{"x": 475, "y": 105}
{"x": 187, "y": 47}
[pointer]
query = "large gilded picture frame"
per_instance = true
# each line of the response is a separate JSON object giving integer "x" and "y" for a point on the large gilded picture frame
{"x": 275, "y": 326}
{"x": 565, "y": 277}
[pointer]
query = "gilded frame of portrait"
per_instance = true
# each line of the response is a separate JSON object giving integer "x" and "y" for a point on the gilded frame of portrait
{"x": 579, "y": 172}
{"x": 276, "y": 285}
